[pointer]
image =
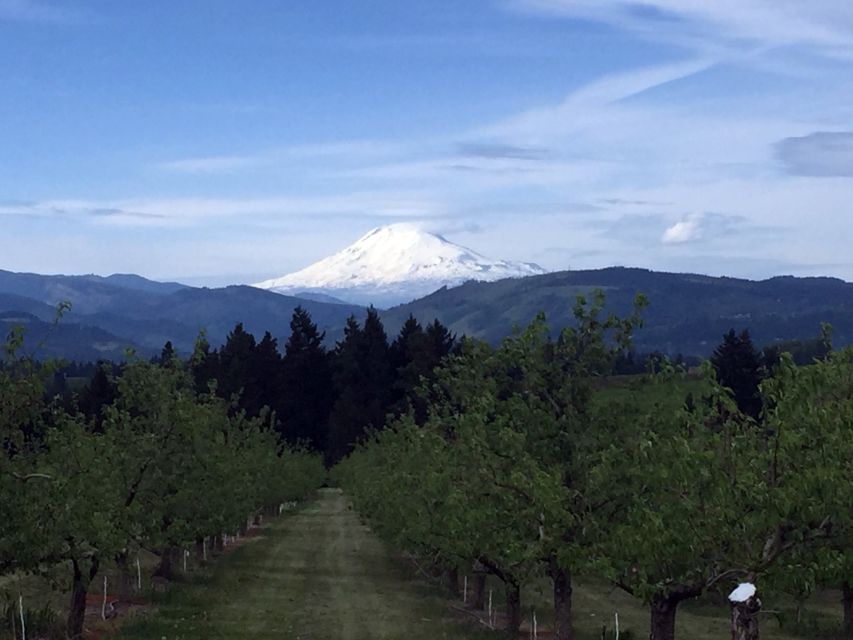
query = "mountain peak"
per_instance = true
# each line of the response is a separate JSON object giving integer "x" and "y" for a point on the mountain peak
{"x": 396, "y": 263}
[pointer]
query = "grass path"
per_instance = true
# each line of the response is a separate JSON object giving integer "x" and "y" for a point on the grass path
{"x": 318, "y": 574}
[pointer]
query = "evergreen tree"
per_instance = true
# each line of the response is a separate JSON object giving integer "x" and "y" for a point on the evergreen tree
{"x": 236, "y": 360}
{"x": 266, "y": 376}
{"x": 204, "y": 365}
{"x": 307, "y": 392}
{"x": 168, "y": 357}
{"x": 406, "y": 354}
{"x": 739, "y": 367}
{"x": 441, "y": 341}
{"x": 99, "y": 393}
{"x": 363, "y": 379}
{"x": 414, "y": 356}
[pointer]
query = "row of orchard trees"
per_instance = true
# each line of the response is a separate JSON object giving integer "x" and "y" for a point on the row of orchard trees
{"x": 165, "y": 468}
{"x": 520, "y": 471}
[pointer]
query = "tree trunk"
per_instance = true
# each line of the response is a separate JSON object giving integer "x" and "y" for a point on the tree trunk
{"x": 513, "y": 609}
{"x": 745, "y": 619}
{"x": 259, "y": 519}
{"x": 166, "y": 567}
{"x": 77, "y": 605}
{"x": 663, "y": 619}
{"x": 562, "y": 604}
{"x": 127, "y": 577}
{"x": 451, "y": 579}
{"x": 218, "y": 543}
{"x": 478, "y": 598}
{"x": 847, "y": 600}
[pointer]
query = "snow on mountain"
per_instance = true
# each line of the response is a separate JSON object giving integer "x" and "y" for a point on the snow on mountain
{"x": 395, "y": 264}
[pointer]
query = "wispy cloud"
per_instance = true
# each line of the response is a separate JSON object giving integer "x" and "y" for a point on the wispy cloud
{"x": 212, "y": 164}
{"x": 585, "y": 105}
{"x": 493, "y": 150}
{"x": 35, "y": 11}
{"x": 825, "y": 25}
{"x": 818, "y": 154}
{"x": 170, "y": 212}
{"x": 353, "y": 151}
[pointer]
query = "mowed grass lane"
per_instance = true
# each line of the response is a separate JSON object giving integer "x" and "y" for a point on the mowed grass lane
{"x": 316, "y": 574}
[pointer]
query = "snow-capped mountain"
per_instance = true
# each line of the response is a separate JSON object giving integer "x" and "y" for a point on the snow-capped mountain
{"x": 394, "y": 264}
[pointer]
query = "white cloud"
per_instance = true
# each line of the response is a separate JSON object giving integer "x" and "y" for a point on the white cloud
{"x": 685, "y": 230}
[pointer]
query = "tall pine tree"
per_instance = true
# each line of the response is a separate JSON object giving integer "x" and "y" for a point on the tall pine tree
{"x": 363, "y": 379}
{"x": 739, "y": 367}
{"x": 236, "y": 375}
{"x": 307, "y": 393}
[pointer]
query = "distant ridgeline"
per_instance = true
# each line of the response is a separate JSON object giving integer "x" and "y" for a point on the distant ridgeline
{"x": 688, "y": 313}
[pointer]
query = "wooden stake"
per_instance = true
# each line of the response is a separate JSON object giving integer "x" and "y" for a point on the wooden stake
{"x": 104, "y": 603}
{"x": 21, "y": 609}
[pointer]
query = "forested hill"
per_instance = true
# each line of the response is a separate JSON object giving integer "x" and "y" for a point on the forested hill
{"x": 108, "y": 315}
{"x": 688, "y": 313}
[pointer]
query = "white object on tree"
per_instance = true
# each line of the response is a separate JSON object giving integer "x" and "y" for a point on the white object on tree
{"x": 743, "y": 592}
{"x": 21, "y": 610}
{"x": 104, "y": 603}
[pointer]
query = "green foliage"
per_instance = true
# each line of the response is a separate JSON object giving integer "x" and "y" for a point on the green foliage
{"x": 156, "y": 466}
{"x": 530, "y": 462}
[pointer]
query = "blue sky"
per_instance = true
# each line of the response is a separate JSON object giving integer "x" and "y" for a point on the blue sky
{"x": 219, "y": 141}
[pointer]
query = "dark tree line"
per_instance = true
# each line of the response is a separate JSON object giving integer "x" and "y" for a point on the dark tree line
{"x": 323, "y": 399}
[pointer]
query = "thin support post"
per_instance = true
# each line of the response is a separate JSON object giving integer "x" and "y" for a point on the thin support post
{"x": 104, "y": 601}
{"x": 465, "y": 590}
{"x": 21, "y": 610}
{"x": 138, "y": 574}
{"x": 491, "y": 620}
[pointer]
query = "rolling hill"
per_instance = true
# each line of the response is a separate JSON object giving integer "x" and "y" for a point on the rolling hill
{"x": 111, "y": 314}
{"x": 688, "y": 313}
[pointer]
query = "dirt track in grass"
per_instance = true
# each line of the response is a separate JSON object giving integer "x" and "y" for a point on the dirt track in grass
{"x": 317, "y": 574}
